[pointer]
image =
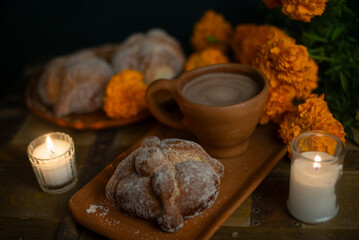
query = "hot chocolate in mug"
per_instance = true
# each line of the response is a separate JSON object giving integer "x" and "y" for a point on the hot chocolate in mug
{"x": 221, "y": 105}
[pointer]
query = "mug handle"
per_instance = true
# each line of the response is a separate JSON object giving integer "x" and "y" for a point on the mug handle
{"x": 154, "y": 105}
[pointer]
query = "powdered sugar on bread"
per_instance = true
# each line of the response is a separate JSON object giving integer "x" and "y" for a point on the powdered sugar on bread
{"x": 166, "y": 181}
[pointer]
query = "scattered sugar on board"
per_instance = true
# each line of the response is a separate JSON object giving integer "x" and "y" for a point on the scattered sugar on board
{"x": 93, "y": 209}
{"x": 101, "y": 210}
{"x": 112, "y": 222}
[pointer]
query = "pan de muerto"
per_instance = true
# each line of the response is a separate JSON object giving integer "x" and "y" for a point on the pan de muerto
{"x": 166, "y": 181}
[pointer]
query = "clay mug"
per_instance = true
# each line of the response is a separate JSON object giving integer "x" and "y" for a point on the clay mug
{"x": 223, "y": 131}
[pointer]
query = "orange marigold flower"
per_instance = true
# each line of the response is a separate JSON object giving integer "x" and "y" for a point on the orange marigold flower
{"x": 212, "y": 30}
{"x": 313, "y": 114}
{"x": 310, "y": 82}
{"x": 303, "y": 10}
{"x": 248, "y": 37}
{"x": 204, "y": 58}
{"x": 278, "y": 103}
{"x": 125, "y": 95}
{"x": 287, "y": 66}
{"x": 284, "y": 62}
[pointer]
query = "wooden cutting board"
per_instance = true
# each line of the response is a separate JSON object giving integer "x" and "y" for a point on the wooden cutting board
{"x": 242, "y": 175}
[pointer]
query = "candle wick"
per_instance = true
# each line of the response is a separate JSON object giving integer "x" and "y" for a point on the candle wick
{"x": 316, "y": 166}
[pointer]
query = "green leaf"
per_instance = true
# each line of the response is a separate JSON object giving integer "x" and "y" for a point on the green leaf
{"x": 315, "y": 37}
{"x": 337, "y": 68}
{"x": 351, "y": 39}
{"x": 212, "y": 39}
{"x": 338, "y": 103}
{"x": 322, "y": 58}
{"x": 344, "y": 82}
{"x": 319, "y": 50}
{"x": 337, "y": 31}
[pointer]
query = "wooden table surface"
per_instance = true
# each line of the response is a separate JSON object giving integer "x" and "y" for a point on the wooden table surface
{"x": 26, "y": 212}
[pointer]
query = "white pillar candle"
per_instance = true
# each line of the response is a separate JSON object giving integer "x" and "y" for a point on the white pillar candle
{"x": 312, "y": 195}
{"x": 53, "y": 160}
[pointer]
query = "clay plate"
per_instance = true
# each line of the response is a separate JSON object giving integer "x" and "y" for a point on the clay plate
{"x": 93, "y": 120}
{"x": 242, "y": 175}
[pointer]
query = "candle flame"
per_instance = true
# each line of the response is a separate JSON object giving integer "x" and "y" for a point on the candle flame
{"x": 50, "y": 145}
{"x": 317, "y": 160}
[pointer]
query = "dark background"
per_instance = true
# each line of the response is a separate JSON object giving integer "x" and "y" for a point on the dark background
{"x": 32, "y": 32}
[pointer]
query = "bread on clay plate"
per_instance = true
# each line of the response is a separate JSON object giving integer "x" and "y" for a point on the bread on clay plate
{"x": 166, "y": 181}
{"x": 74, "y": 83}
{"x": 155, "y": 54}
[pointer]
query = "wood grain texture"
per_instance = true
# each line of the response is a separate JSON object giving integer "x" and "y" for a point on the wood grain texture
{"x": 279, "y": 233}
{"x": 27, "y": 228}
{"x": 242, "y": 216}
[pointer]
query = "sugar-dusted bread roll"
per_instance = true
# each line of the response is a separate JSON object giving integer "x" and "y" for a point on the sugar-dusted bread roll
{"x": 74, "y": 83}
{"x": 166, "y": 181}
{"x": 155, "y": 54}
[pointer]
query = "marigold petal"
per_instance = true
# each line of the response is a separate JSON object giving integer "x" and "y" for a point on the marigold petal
{"x": 212, "y": 30}
{"x": 206, "y": 57}
{"x": 313, "y": 114}
{"x": 303, "y": 10}
{"x": 125, "y": 95}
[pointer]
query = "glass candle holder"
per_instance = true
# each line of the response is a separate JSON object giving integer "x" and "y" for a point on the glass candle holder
{"x": 316, "y": 169}
{"x": 52, "y": 157}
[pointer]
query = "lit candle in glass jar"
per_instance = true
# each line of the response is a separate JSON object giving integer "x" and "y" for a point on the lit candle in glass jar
{"x": 313, "y": 179}
{"x": 312, "y": 187}
{"x": 53, "y": 159}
